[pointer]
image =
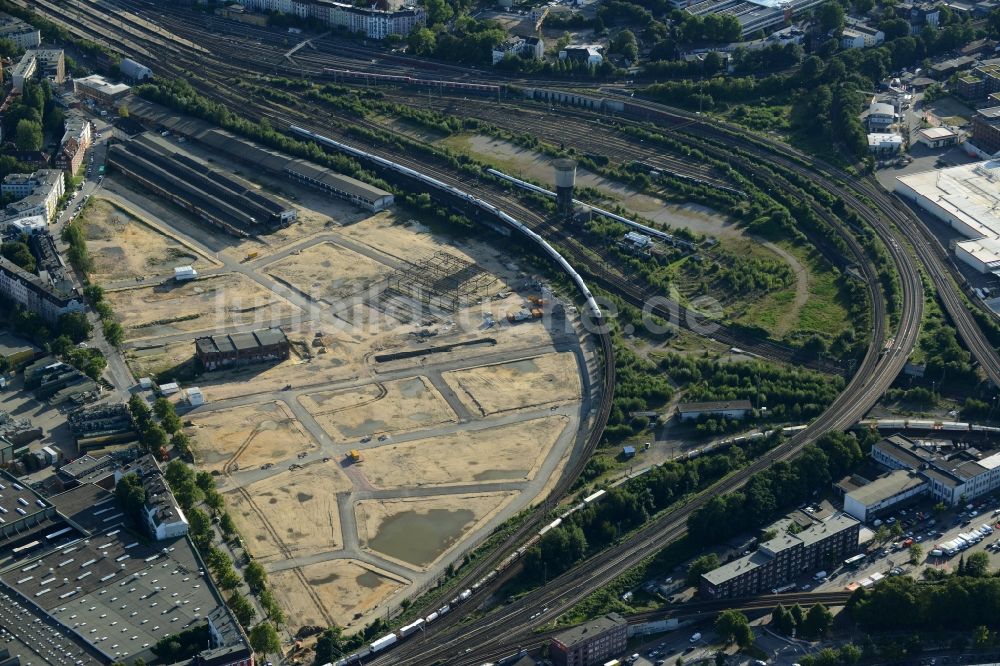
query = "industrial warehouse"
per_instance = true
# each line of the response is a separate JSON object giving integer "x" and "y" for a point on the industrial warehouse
{"x": 84, "y": 590}
{"x": 192, "y": 184}
{"x": 965, "y": 198}
{"x": 235, "y": 349}
{"x": 247, "y": 152}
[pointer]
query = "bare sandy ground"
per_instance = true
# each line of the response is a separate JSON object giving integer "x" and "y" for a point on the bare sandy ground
{"x": 124, "y": 247}
{"x": 506, "y": 453}
{"x": 247, "y": 436}
{"x": 290, "y": 514}
{"x": 197, "y": 305}
{"x": 333, "y": 591}
{"x": 490, "y": 389}
{"x": 328, "y": 272}
{"x": 392, "y": 407}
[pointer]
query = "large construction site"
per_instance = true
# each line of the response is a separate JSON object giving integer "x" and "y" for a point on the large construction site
{"x": 413, "y": 413}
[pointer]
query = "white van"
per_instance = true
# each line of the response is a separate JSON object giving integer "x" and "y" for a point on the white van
{"x": 696, "y": 637}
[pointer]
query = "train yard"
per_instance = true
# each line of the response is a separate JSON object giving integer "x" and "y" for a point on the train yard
{"x": 760, "y": 160}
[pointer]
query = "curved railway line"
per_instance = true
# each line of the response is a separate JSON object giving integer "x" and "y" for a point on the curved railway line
{"x": 876, "y": 372}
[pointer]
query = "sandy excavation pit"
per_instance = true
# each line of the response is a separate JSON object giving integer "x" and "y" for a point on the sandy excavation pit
{"x": 197, "y": 305}
{"x": 290, "y": 514}
{"x": 124, "y": 247}
{"x": 247, "y": 437}
{"x": 417, "y": 531}
{"x": 398, "y": 406}
{"x": 543, "y": 380}
{"x": 328, "y": 272}
{"x": 332, "y": 592}
{"x": 506, "y": 453}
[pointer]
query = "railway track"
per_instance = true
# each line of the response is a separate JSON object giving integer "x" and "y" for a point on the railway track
{"x": 876, "y": 371}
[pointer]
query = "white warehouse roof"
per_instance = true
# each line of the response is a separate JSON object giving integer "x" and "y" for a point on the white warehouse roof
{"x": 967, "y": 197}
{"x": 985, "y": 250}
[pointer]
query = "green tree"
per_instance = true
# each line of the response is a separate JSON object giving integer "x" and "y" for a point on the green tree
{"x": 255, "y": 576}
{"x": 699, "y": 566}
{"x": 625, "y": 43}
{"x": 227, "y": 524}
{"x": 978, "y": 565}
{"x": 242, "y": 609}
{"x": 831, "y": 17}
{"x": 139, "y": 410}
{"x": 181, "y": 442}
{"x": 733, "y": 626}
{"x": 154, "y": 438}
{"x": 171, "y": 423}
{"x": 28, "y": 135}
{"x": 181, "y": 479}
{"x": 783, "y": 620}
{"x": 916, "y": 554}
{"x": 75, "y": 325}
{"x": 982, "y": 637}
{"x": 132, "y": 497}
{"x": 329, "y": 646}
{"x": 200, "y": 528}
{"x": 19, "y": 253}
{"x": 264, "y": 639}
{"x": 850, "y": 654}
{"x": 114, "y": 333}
{"x": 162, "y": 407}
{"x": 817, "y": 621}
{"x": 123, "y": 111}
{"x": 882, "y": 534}
{"x": 422, "y": 41}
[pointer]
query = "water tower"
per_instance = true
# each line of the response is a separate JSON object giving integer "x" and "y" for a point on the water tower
{"x": 565, "y": 181}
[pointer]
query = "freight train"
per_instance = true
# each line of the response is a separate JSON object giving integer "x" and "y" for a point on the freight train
{"x": 400, "y": 80}
{"x": 401, "y": 634}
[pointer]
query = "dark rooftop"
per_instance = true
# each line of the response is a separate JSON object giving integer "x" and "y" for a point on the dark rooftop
{"x": 572, "y": 636}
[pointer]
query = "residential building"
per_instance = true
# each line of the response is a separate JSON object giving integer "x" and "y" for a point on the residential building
{"x": 783, "y": 558}
{"x": 919, "y": 15}
{"x": 36, "y": 193}
{"x": 881, "y": 115}
{"x": 586, "y": 53}
{"x": 726, "y": 409}
{"x": 986, "y": 129}
{"x": 43, "y": 297}
{"x": 591, "y": 644}
{"x": 266, "y": 344}
{"x": 49, "y": 63}
{"x": 373, "y": 22}
{"x": 884, "y": 493}
{"x": 531, "y": 48}
{"x": 164, "y": 517}
{"x": 24, "y": 35}
{"x": 75, "y": 141}
{"x": 99, "y": 89}
{"x": 982, "y": 81}
{"x": 937, "y": 137}
{"x": 860, "y": 36}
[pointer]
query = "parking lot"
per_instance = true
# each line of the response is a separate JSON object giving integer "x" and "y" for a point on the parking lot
{"x": 922, "y": 527}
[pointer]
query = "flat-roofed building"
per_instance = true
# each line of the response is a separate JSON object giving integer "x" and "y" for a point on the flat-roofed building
{"x": 99, "y": 89}
{"x": 986, "y": 129}
{"x": 951, "y": 477}
{"x": 884, "y": 493}
{"x": 217, "y": 351}
{"x": 163, "y": 515}
{"x": 967, "y": 198}
{"x": 726, "y": 409}
{"x": 36, "y": 193}
{"x": 783, "y": 558}
{"x": 590, "y": 644}
{"x": 937, "y": 137}
{"x": 24, "y": 35}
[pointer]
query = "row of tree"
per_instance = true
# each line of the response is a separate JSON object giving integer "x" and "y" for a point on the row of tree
{"x": 781, "y": 486}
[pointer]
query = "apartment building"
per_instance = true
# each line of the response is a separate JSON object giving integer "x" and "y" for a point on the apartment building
{"x": 36, "y": 193}
{"x": 591, "y": 644}
{"x": 783, "y": 558}
{"x": 371, "y": 21}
